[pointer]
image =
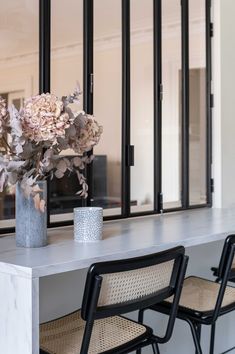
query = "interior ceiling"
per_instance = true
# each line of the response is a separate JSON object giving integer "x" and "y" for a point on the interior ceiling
{"x": 19, "y": 21}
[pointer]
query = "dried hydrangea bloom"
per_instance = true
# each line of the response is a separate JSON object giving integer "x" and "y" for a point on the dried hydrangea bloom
{"x": 40, "y": 131}
{"x": 43, "y": 118}
{"x": 87, "y": 134}
{"x": 4, "y": 116}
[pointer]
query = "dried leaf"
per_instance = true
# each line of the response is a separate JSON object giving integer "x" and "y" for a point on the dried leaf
{"x": 62, "y": 166}
{"x": 19, "y": 149}
{"x": 12, "y": 177}
{"x": 30, "y": 172}
{"x": 48, "y": 153}
{"x": 67, "y": 161}
{"x": 42, "y": 205}
{"x": 77, "y": 161}
{"x": 14, "y": 165}
{"x": 3, "y": 178}
{"x": 27, "y": 190}
{"x": 16, "y": 128}
{"x": 59, "y": 174}
{"x": 36, "y": 189}
{"x": 37, "y": 200}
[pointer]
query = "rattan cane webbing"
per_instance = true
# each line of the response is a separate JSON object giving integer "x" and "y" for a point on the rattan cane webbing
{"x": 64, "y": 336}
{"x": 201, "y": 294}
{"x": 135, "y": 284}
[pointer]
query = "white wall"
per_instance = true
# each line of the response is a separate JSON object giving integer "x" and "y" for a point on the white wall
{"x": 224, "y": 112}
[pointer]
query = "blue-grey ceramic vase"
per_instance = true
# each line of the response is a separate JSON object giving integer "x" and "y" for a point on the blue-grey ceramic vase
{"x": 31, "y": 224}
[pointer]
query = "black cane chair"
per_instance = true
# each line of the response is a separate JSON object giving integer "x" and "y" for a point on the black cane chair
{"x": 203, "y": 301}
{"x": 112, "y": 289}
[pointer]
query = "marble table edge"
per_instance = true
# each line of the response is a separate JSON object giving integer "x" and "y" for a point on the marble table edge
{"x": 17, "y": 270}
{"x": 85, "y": 263}
{"x": 77, "y": 264}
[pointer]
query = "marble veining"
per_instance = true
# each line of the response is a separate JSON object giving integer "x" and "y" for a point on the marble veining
{"x": 121, "y": 239}
{"x": 19, "y": 315}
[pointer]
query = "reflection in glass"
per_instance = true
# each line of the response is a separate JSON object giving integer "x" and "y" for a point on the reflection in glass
{"x": 108, "y": 103}
{"x": 171, "y": 105}
{"x": 18, "y": 68}
{"x": 197, "y": 102}
{"x": 142, "y": 127}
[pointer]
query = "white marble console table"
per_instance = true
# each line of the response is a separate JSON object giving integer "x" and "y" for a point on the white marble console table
{"x": 20, "y": 269}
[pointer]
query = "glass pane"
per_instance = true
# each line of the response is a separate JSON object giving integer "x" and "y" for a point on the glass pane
{"x": 197, "y": 97}
{"x": 66, "y": 71}
{"x": 67, "y": 45}
{"x": 142, "y": 129}
{"x": 107, "y": 104}
{"x": 171, "y": 105}
{"x": 18, "y": 69}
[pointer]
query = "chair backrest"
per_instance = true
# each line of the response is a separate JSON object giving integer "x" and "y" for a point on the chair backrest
{"x": 230, "y": 240}
{"x": 226, "y": 265}
{"x": 122, "y": 286}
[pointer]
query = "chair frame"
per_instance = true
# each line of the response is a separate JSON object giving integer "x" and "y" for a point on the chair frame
{"x": 196, "y": 322}
{"x": 217, "y": 270}
{"x": 92, "y": 311}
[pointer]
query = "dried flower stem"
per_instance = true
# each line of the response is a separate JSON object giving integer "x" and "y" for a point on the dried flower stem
{"x": 7, "y": 145}
{"x": 39, "y": 159}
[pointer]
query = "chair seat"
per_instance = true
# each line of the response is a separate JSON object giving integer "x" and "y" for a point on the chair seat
{"x": 64, "y": 335}
{"x": 199, "y": 295}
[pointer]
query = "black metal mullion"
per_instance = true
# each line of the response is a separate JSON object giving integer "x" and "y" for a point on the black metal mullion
{"x": 44, "y": 46}
{"x": 88, "y": 63}
{"x": 208, "y": 102}
{"x": 125, "y": 107}
{"x": 185, "y": 102}
{"x": 157, "y": 20}
{"x": 88, "y": 36}
{"x": 45, "y": 63}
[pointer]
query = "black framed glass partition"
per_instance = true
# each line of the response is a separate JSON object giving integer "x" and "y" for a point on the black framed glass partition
{"x": 144, "y": 67}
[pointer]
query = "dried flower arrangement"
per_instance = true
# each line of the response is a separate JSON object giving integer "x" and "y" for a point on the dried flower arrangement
{"x": 33, "y": 138}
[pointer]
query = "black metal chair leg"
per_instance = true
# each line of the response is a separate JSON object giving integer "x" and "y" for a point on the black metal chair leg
{"x": 212, "y": 341}
{"x": 196, "y": 339}
{"x": 141, "y": 316}
{"x": 155, "y": 348}
{"x": 140, "y": 320}
{"x": 198, "y": 330}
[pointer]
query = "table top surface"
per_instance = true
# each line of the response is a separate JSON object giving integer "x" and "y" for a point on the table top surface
{"x": 121, "y": 239}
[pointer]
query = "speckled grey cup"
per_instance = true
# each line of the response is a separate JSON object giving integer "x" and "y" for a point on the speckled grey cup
{"x": 88, "y": 224}
{"x": 31, "y": 224}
